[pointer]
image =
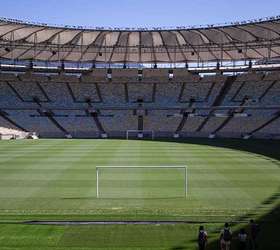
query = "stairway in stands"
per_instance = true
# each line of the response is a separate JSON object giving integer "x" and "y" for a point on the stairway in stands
{"x": 94, "y": 114}
{"x": 97, "y": 122}
{"x": 231, "y": 113}
{"x": 6, "y": 117}
{"x": 185, "y": 117}
{"x": 277, "y": 116}
{"x": 182, "y": 123}
{"x": 219, "y": 99}
{"x": 224, "y": 123}
{"x": 50, "y": 116}
{"x": 140, "y": 122}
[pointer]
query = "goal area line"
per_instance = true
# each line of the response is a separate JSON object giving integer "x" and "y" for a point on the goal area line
{"x": 144, "y": 167}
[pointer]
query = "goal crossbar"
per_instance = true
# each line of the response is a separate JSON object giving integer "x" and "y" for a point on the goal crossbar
{"x": 143, "y": 167}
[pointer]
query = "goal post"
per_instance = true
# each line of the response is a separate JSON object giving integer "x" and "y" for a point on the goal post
{"x": 141, "y": 181}
{"x": 140, "y": 134}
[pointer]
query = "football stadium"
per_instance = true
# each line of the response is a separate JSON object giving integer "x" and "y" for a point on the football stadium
{"x": 140, "y": 138}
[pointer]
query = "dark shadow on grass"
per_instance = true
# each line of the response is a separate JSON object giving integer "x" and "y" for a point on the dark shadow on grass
{"x": 178, "y": 248}
{"x": 269, "y": 223}
{"x": 268, "y": 238}
{"x": 272, "y": 199}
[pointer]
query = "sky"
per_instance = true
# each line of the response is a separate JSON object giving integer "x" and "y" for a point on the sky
{"x": 137, "y": 13}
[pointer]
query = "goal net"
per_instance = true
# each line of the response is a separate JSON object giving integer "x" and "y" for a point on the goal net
{"x": 139, "y": 134}
{"x": 141, "y": 182}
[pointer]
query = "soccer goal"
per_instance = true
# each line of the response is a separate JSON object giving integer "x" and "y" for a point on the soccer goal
{"x": 141, "y": 182}
{"x": 140, "y": 134}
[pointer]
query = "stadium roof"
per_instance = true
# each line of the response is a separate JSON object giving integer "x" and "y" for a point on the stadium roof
{"x": 240, "y": 41}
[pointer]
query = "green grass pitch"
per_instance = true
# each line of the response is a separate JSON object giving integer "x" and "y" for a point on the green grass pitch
{"x": 228, "y": 180}
{"x": 142, "y": 182}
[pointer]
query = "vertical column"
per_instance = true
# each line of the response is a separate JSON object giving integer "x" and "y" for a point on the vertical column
{"x": 97, "y": 183}
{"x": 186, "y": 182}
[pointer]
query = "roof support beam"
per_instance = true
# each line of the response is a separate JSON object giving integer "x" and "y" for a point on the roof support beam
{"x": 91, "y": 44}
{"x": 165, "y": 46}
{"x": 114, "y": 47}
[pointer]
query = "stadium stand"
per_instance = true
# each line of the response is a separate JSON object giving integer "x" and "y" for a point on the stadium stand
{"x": 143, "y": 92}
{"x": 168, "y": 93}
{"x": 78, "y": 123}
{"x": 113, "y": 93}
{"x": 117, "y": 122}
{"x": 162, "y": 121}
{"x": 33, "y": 121}
{"x": 57, "y": 105}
